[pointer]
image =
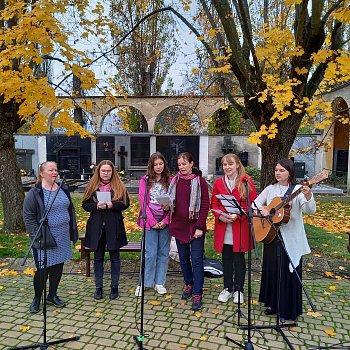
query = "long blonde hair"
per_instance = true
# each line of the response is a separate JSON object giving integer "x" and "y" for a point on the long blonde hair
{"x": 116, "y": 183}
{"x": 240, "y": 172}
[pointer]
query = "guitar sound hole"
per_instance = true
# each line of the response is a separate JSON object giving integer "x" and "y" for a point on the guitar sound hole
{"x": 273, "y": 211}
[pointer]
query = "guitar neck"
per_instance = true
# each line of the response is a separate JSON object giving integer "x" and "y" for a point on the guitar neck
{"x": 288, "y": 199}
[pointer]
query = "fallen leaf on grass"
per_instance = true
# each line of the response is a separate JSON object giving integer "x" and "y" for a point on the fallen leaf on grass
{"x": 333, "y": 288}
{"x": 7, "y": 272}
{"x": 254, "y": 302}
{"x": 327, "y": 293}
{"x": 155, "y": 302}
{"x": 330, "y": 332}
{"x": 2, "y": 264}
{"x": 317, "y": 255}
{"x": 328, "y": 274}
{"x": 24, "y": 328}
{"x": 29, "y": 271}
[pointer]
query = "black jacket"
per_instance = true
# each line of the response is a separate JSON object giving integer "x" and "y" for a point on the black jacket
{"x": 113, "y": 220}
{"x": 34, "y": 211}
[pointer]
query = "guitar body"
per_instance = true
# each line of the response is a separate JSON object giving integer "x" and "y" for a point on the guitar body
{"x": 264, "y": 229}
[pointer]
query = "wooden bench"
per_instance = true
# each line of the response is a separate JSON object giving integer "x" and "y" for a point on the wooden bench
{"x": 133, "y": 247}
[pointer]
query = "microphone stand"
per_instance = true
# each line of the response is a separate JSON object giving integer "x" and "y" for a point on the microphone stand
{"x": 230, "y": 203}
{"x": 140, "y": 338}
{"x": 44, "y": 221}
{"x": 248, "y": 344}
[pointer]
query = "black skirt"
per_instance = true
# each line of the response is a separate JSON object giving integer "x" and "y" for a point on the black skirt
{"x": 280, "y": 289}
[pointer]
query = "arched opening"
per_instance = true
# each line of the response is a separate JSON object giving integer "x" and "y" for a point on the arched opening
{"x": 341, "y": 137}
{"x": 124, "y": 119}
{"x": 177, "y": 120}
{"x": 227, "y": 120}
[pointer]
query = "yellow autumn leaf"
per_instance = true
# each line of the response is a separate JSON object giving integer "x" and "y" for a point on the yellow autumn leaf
{"x": 215, "y": 311}
{"x": 98, "y": 314}
{"x": 328, "y": 274}
{"x": 203, "y": 338}
{"x": 170, "y": 308}
{"x": 326, "y": 293}
{"x": 314, "y": 314}
{"x": 155, "y": 302}
{"x": 168, "y": 297}
{"x": 24, "y": 328}
{"x": 254, "y": 302}
{"x": 342, "y": 268}
{"x": 198, "y": 314}
{"x": 333, "y": 288}
{"x": 330, "y": 332}
{"x": 29, "y": 271}
{"x": 72, "y": 292}
{"x": 2, "y": 287}
{"x": 2, "y": 264}
{"x": 183, "y": 346}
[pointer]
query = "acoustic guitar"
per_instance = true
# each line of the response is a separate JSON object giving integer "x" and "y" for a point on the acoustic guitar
{"x": 266, "y": 229}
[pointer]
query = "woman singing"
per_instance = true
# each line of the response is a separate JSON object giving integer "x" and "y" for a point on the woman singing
{"x": 59, "y": 229}
{"x": 231, "y": 232}
{"x": 190, "y": 195}
{"x": 105, "y": 227}
{"x": 157, "y": 242}
{"x": 280, "y": 289}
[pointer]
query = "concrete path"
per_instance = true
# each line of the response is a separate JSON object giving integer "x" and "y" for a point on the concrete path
{"x": 169, "y": 322}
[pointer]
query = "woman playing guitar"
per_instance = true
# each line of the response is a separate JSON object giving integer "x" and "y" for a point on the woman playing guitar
{"x": 280, "y": 289}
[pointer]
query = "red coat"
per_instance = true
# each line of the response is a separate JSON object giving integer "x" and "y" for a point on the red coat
{"x": 240, "y": 227}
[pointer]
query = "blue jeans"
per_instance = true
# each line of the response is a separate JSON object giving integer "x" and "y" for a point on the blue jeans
{"x": 157, "y": 245}
{"x": 192, "y": 263}
{"x": 99, "y": 255}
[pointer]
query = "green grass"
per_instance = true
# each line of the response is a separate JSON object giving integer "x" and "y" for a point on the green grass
{"x": 321, "y": 242}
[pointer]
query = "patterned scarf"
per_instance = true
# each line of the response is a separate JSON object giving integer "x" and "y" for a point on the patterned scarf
{"x": 195, "y": 197}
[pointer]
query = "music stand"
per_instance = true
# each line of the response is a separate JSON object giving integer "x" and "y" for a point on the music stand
{"x": 233, "y": 207}
{"x": 46, "y": 344}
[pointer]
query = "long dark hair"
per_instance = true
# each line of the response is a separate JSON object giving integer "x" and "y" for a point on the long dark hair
{"x": 289, "y": 166}
{"x": 188, "y": 156}
{"x": 165, "y": 176}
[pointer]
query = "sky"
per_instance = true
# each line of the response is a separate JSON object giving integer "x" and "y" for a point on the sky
{"x": 185, "y": 60}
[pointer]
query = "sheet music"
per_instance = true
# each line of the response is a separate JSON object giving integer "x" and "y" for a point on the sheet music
{"x": 226, "y": 215}
{"x": 164, "y": 200}
{"x": 104, "y": 197}
{"x": 230, "y": 203}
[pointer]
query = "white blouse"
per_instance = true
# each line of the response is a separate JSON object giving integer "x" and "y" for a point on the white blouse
{"x": 293, "y": 232}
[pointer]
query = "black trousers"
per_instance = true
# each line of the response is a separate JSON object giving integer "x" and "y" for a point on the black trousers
{"x": 233, "y": 263}
{"x": 53, "y": 273}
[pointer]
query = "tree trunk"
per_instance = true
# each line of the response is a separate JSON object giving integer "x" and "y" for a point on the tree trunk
{"x": 11, "y": 190}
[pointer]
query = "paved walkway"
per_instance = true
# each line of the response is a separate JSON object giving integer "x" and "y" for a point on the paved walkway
{"x": 168, "y": 321}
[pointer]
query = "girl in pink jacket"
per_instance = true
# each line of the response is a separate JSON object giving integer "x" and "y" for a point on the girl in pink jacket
{"x": 157, "y": 238}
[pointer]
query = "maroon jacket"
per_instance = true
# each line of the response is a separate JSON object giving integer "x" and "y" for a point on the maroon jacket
{"x": 181, "y": 227}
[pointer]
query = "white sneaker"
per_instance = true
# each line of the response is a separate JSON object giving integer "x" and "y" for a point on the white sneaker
{"x": 224, "y": 296}
{"x": 138, "y": 291}
{"x": 237, "y": 295}
{"x": 160, "y": 289}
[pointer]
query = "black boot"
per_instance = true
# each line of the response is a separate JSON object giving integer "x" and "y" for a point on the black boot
{"x": 114, "y": 293}
{"x": 98, "y": 294}
{"x": 34, "y": 307}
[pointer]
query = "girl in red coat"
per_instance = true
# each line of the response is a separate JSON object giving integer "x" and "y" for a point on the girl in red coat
{"x": 231, "y": 231}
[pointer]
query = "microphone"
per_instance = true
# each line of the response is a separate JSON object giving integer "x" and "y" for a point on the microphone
{"x": 244, "y": 179}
